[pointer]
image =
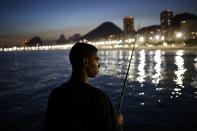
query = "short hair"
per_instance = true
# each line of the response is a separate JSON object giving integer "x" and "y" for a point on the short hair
{"x": 80, "y": 51}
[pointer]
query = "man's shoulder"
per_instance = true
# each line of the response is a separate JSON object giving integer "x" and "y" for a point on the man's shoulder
{"x": 94, "y": 89}
{"x": 67, "y": 89}
{"x": 59, "y": 89}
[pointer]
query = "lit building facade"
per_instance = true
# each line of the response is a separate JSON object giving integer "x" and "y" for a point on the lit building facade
{"x": 166, "y": 21}
{"x": 189, "y": 28}
{"x": 128, "y": 25}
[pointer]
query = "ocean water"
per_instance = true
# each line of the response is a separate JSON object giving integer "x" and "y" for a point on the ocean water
{"x": 161, "y": 91}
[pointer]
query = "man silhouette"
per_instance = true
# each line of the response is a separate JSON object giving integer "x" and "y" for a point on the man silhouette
{"x": 78, "y": 106}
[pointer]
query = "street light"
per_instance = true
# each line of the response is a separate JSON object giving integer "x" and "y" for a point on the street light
{"x": 141, "y": 39}
{"x": 179, "y": 34}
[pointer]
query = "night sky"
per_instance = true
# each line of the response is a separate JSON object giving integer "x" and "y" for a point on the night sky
{"x": 50, "y": 18}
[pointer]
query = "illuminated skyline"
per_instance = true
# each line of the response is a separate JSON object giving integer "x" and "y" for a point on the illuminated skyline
{"x": 49, "y": 19}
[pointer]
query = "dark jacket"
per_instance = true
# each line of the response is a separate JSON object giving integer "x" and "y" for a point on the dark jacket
{"x": 78, "y": 106}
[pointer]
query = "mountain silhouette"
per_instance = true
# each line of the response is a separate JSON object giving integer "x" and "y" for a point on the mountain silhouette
{"x": 34, "y": 41}
{"x": 61, "y": 39}
{"x": 75, "y": 37}
{"x": 103, "y": 31}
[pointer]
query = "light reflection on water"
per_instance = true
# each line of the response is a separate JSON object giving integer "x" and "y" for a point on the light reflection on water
{"x": 179, "y": 62}
{"x": 195, "y": 63}
{"x": 163, "y": 70}
{"x": 157, "y": 76}
{"x": 141, "y": 72}
{"x": 117, "y": 61}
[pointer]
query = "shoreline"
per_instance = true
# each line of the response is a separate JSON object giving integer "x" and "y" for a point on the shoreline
{"x": 65, "y": 47}
{"x": 151, "y": 48}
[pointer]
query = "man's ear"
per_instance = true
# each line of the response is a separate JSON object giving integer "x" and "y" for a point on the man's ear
{"x": 85, "y": 62}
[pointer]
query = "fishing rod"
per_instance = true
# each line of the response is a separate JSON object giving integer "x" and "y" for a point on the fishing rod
{"x": 125, "y": 80}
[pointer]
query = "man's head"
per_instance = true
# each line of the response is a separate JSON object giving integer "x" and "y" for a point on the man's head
{"x": 85, "y": 56}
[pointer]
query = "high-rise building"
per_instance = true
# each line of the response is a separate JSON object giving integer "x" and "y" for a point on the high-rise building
{"x": 166, "y": 19}
{"x": 128, "y": 24}
{"x": 189, "y": 28}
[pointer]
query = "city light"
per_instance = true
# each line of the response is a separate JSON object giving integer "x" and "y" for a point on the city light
{"x": 34, "y": 48}
{"x": 157, "y": 37}
{"x": 179, "y": 35}
{"x": 165, "y": 44}
{"x": 141, "y": 39}
{"x": 162, "y": 38}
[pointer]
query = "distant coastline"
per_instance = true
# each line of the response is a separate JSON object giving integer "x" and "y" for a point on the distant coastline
{"x": 155, "y": 48}
{"x": 108, "y": 47}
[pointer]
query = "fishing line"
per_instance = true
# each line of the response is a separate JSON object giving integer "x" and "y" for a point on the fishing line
{"x": 125, "y": 80}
